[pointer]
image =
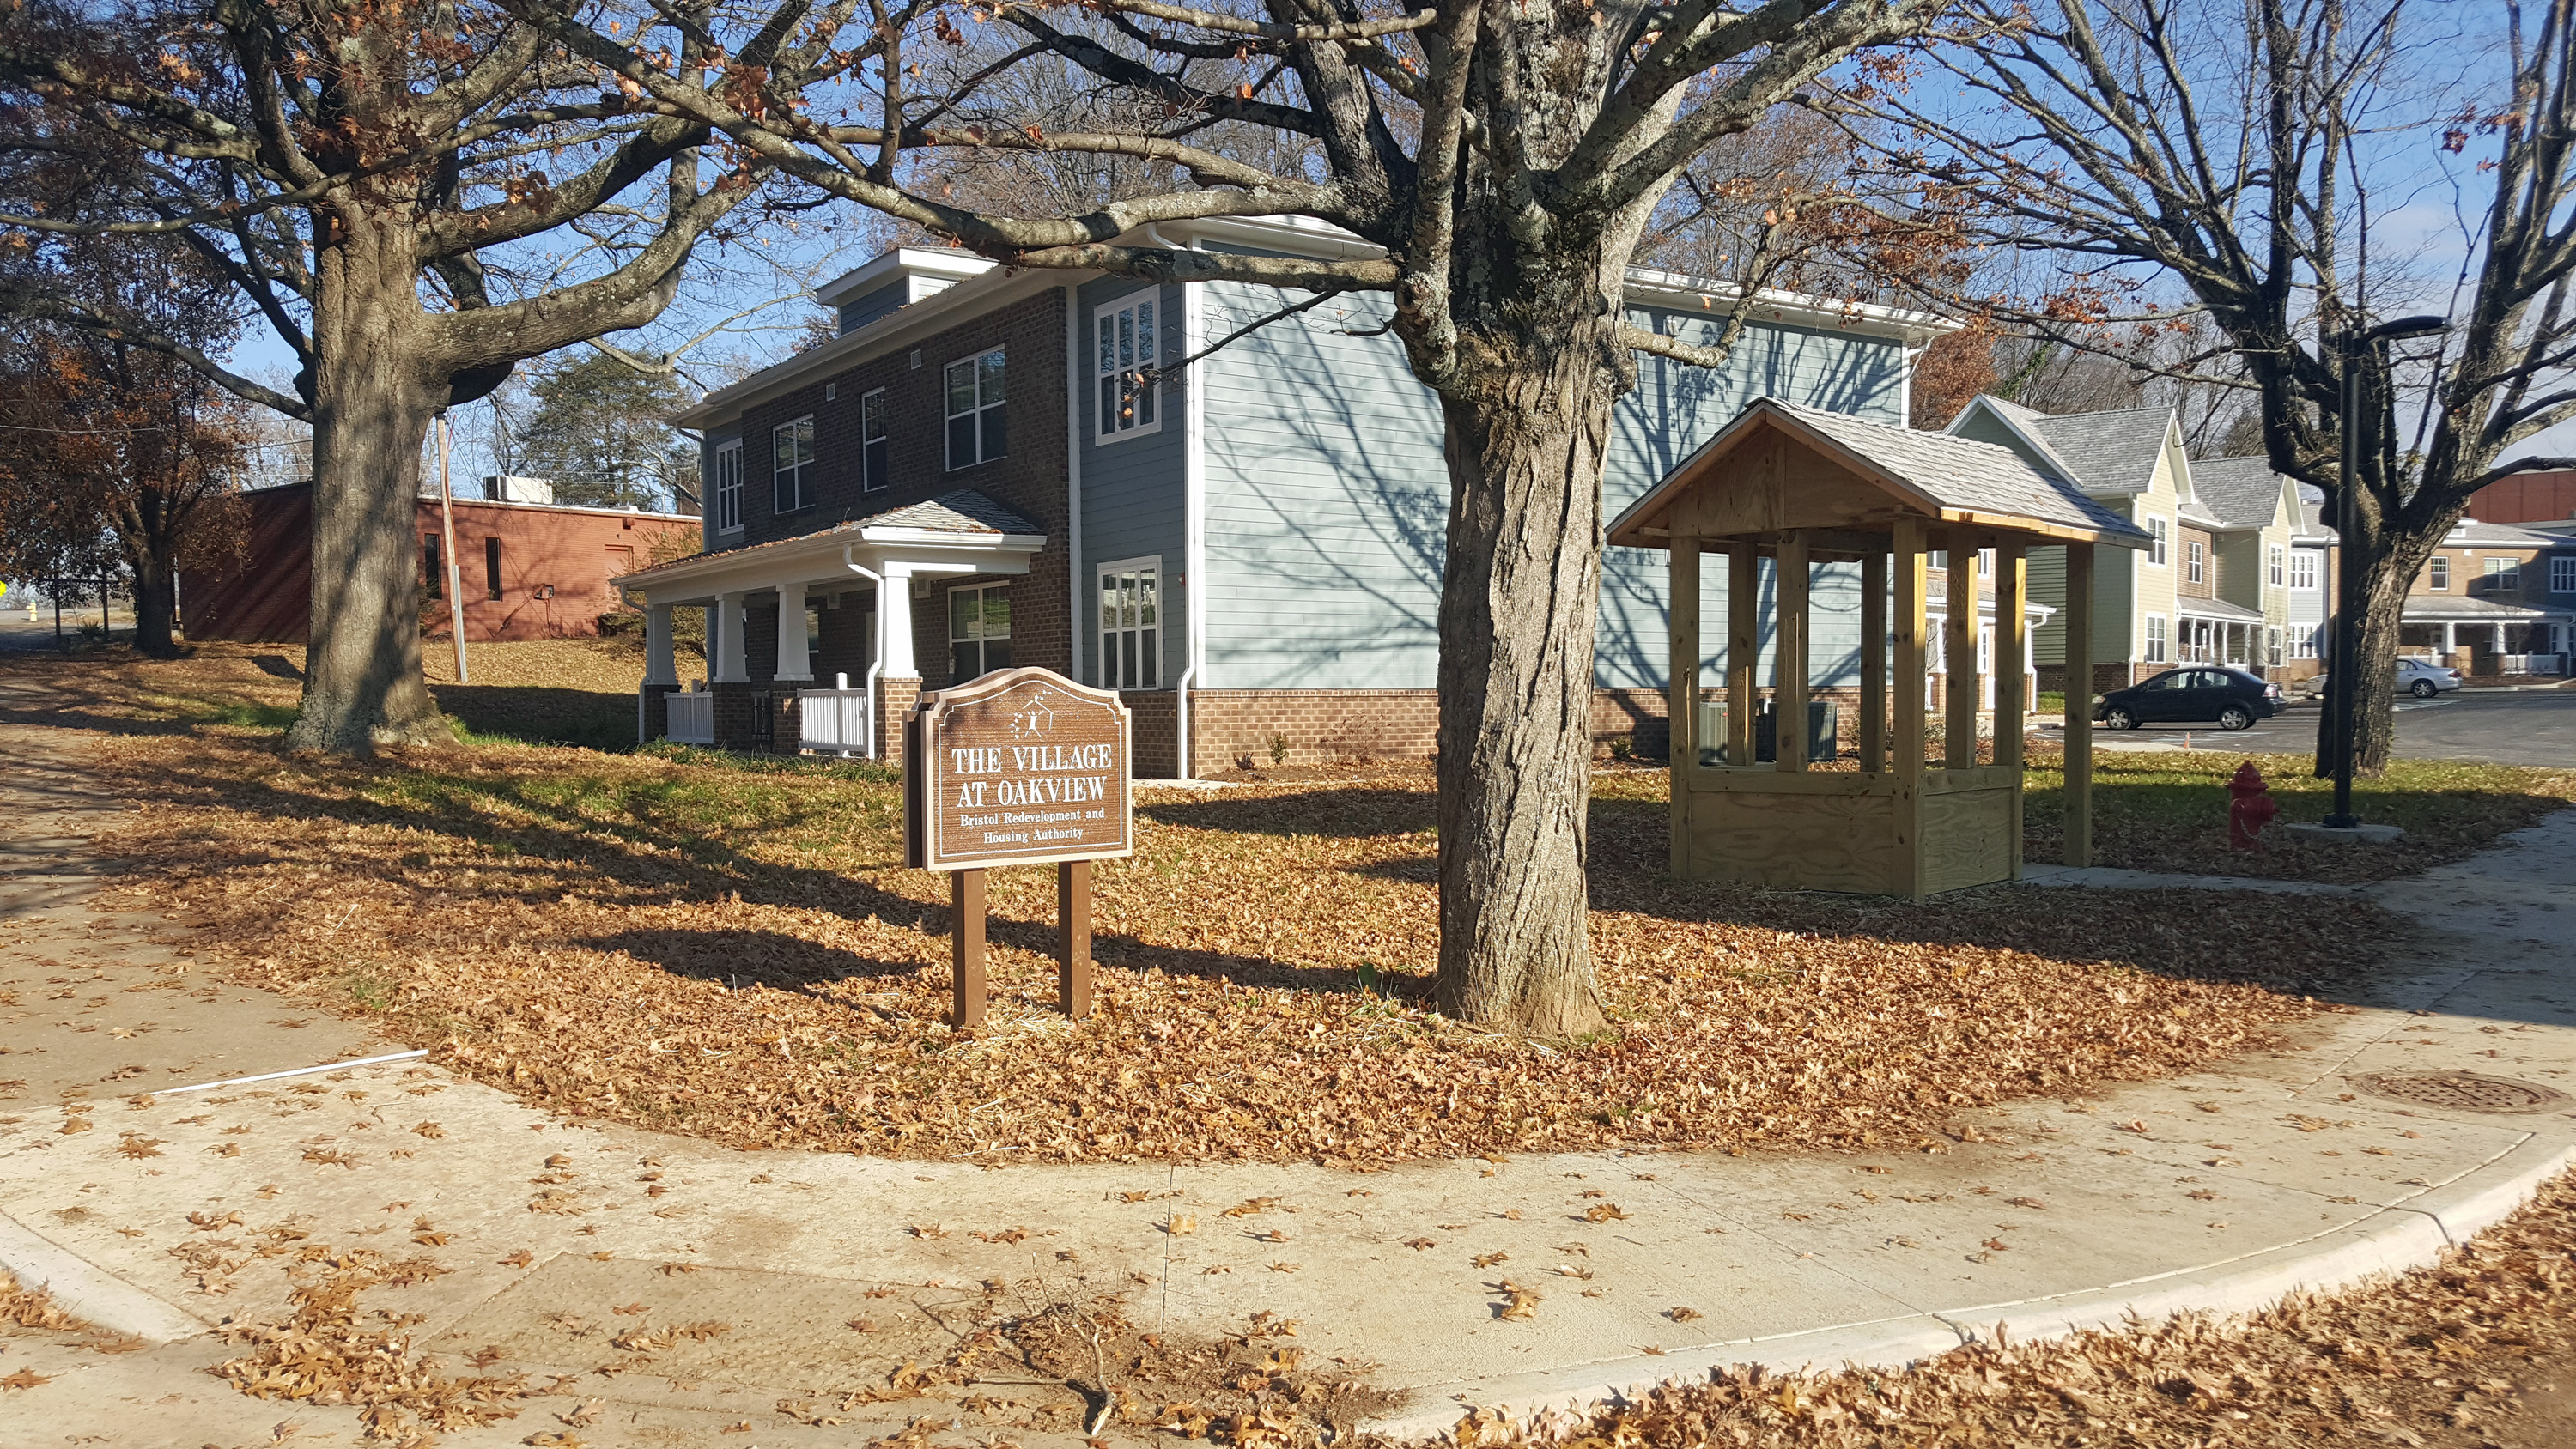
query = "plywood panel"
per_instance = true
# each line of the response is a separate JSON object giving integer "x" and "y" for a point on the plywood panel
{"x": 1967, "y": 838}
{"x": 1795, "y": 841}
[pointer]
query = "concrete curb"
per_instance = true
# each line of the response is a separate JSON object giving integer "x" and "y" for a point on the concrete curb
{"x": 2396, "y": 1238}
{"x": 88, "y": 1292}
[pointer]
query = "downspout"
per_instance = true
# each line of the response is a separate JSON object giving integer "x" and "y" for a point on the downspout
{"x": 876, "y": 646}
{"x": 1194, "y": 526}
{"x": 1076, "y": 388}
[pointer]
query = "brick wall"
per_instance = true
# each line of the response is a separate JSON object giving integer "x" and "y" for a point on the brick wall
{"x": 653, "y": 718}
{"x": 896, "y": 696}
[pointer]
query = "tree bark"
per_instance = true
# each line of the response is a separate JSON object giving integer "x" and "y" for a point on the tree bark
{"x": 362, "y": 675}
{"x": 1527, "y": 424}
{"x": 154, "y": 603}
{"x": 2388, "y": 570}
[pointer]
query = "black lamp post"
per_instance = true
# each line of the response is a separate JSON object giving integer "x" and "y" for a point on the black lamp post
{"x": 2344, "y": 683}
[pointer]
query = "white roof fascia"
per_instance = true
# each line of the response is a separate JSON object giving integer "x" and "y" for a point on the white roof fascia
{"x": 820, "y": 557}
{"x": 1029, "y": 541}
{"x": 901, "y": 262}
{"x": 2036, "y": 444}
{"x": 887, "y": 333}
{"x": 1650, "y": 287}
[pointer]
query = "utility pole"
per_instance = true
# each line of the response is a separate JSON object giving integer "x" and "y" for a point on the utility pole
{"x": 447, "y": 525}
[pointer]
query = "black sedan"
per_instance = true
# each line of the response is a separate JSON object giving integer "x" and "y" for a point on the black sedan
{"x": 2229, "y": 698}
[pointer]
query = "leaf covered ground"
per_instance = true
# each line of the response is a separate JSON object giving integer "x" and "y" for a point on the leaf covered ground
{"x": 736, "y": 952}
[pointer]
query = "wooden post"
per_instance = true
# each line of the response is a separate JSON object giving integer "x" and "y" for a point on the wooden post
{"x": 2078, "y": 618}
{"x": 1073, "y": 937}
{"x": 1873, "y": 662}
{"x": 1743, "y": 648}
{"x": 1910, "y": 684}
{"x": 2011, "y": 643}
{"x": 1959, "y": 656}
{"x": 1789, "y": 680}
{"x": 1682, "y": 693}
{"x": 966, "y": 948}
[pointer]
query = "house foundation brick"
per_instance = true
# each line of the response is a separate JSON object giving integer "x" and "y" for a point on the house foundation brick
{"x": 896, "y": 695}
{"x": 653, "y": 711}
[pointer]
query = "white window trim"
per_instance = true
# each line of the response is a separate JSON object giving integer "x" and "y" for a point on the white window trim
{"x": 2195, "y": 561}
{"x": 2159, "y": 553}
{"x": 2280, "y": 566}
{"x": 948, "y": 617}
{"x": 2303, "y": 558}
{"x": 2437, "y": 580}
{"x": 946, "y": 417}
{"x": 804, "y": 494}
{"x": 2155, "y": 646}
{"x": 2499, "y": 567}
{"x": 872, "y": 395}
{"x": 1162, "y": 615}
{"x": 1091, "y": 400}
{"x": 2562, "y": 574}
{"x": 715, "y": 495}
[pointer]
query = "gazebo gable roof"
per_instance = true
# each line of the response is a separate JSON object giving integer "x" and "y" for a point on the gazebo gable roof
{"x": 1937, "y": 477}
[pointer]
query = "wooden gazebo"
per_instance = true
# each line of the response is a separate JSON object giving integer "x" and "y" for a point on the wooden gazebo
{"x": 1803, "y": 487}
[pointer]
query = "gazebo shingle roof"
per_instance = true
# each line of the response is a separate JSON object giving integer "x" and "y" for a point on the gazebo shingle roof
{"x": 1965, "y": 474}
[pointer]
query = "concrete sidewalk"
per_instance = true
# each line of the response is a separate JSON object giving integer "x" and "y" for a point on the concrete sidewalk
{"x": 2307, "y": 1167}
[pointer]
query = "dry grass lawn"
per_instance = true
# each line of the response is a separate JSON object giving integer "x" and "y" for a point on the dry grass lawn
{"x": 737, "y": 952}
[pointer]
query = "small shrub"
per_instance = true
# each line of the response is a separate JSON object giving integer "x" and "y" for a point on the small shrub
{"x": 1278, "y": 749}
{"x": 1623, "y": 748}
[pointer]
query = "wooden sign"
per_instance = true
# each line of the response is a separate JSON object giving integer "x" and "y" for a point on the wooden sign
{"x": 1020, "y": 767}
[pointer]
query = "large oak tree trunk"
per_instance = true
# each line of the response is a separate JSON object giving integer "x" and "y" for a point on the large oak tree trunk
{"x": 155, "y": 601}
{"x": 362, "y": 677}
{"x": 1528, "y": 421}
{"x": 2388, "y": 571}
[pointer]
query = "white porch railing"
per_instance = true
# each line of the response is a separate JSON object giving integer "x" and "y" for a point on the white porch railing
{"x": 692, "y": 719}
{"x": 2531, "y": 664}
{"x": 836, "y": 721}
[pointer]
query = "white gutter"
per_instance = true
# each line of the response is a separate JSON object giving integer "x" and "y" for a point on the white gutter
{"x": 1194, "y": 526}
{"x": 1076, "y": 390}
{"x": 876, "y": 646}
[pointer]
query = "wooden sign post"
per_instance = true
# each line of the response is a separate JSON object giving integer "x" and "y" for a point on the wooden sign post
{"x": 1020, "y": 767}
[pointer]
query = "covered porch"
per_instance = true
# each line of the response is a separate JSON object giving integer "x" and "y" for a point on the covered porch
{"x": 1918, "y": 810}
{"x": 2487, "y": 636}
{"x": 2215, "y": 631}
{"x": 771, "y": 606}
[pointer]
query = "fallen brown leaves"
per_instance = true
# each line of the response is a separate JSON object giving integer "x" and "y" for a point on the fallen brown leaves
{"x": 733, "y": 952}
{"x": 327, "y": 1352}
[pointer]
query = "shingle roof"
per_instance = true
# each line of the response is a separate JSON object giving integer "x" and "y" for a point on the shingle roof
{"x": 2199, "y": 608}
{"x": 2432, "y": 609}
{"x": 2110, "y": 452}
{"x": 2239, "y": 492}
{"x": 2027, "y": 422}
{"x": 2469, "y": 530}
{"x": 1965, "y": 474}
{"x": 963, "y": 511}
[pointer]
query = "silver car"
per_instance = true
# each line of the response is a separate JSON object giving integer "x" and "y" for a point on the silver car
{"x": 2421, "y": 678}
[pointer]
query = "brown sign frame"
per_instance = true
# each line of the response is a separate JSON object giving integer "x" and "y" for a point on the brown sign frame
{"x": 929, "y": 773}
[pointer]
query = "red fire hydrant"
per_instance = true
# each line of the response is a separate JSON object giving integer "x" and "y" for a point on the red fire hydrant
{"x": 2250, "y": 808}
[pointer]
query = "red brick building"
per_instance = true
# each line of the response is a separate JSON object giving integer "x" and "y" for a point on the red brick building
{"x": 530, "y": 570}
{"x": 2527, "y": 498}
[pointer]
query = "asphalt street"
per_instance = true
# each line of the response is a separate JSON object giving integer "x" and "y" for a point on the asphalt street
{"x": 2499, "y": 727}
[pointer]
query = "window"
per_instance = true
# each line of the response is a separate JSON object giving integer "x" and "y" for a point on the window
{"x": 2280, "y": 566}
{"x": 2303, "y": 640}
{"x": 791, "y": 483}
{"x": 728, "y": 489}
{"x": 2272, "y": 647}
{"x": 2504, "y": 575}
{"x": 492, "y": 569}
{"x": 432, "y": 576}
{"x": 2437, "y": 574}
{"x": 2562, "y": 574}
{"x": 1131, "y": 620}
{"x": 2303, "y": 569}
{"x": 2195, "y": 561}
{"x": 1124, "y": 366}
{"x": 979, "y": 631}
{"x": 2156, "y": 542}
{"x": 2155, "y": 639}
{"x": 975, "y": 419}
{"x": 876, "y": 447}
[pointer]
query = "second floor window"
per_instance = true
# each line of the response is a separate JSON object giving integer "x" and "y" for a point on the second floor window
{"x": 1127, "y": 354}
{"x": 2504, "y": 575}
{"x": 979, "y": 631}
{"x": 976, "y": 429}
{"x": 791, "y": 480}
{"x": 727, "y": 493}
{"x": 2437, "y": 574}
{"x": 2156, "y": 541}
{"x": 2303, "y": 570}
{"x": 2562, "y": 574}
{"x": 2195, "y": 561}
{"x": 876, "y": 446}
{"x": 2280, "y": 568}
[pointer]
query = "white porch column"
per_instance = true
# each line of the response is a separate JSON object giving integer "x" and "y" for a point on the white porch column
{"x": 729, "y": 666}
{"x": 2498, "y": 645}
{"x": 2450, "y": 641}
{"x": 894, "y": 625}
{"x": 659, "y": 665}
{"x": 795, "y": 665}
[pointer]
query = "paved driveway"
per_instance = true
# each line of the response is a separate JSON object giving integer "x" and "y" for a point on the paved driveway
{"x": 2502, "y": 727}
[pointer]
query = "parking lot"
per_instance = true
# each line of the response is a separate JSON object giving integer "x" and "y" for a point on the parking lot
{"x": 2489, "y": 726}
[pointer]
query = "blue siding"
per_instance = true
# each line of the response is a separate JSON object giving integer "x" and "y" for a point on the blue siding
{"x": 867, "y": 307}
{"x": 1134, "y": 489}
{"x": 714, "y": 438}
{"x": 1328, "y": 499}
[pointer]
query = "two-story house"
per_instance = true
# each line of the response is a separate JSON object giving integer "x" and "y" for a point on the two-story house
{"x": 985, "y": 467}
{"x": 2494, "y": 599}
{"x": 2212, "y": 586}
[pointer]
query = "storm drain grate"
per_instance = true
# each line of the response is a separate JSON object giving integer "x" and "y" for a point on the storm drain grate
{"x": 2461, "y": 1091}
